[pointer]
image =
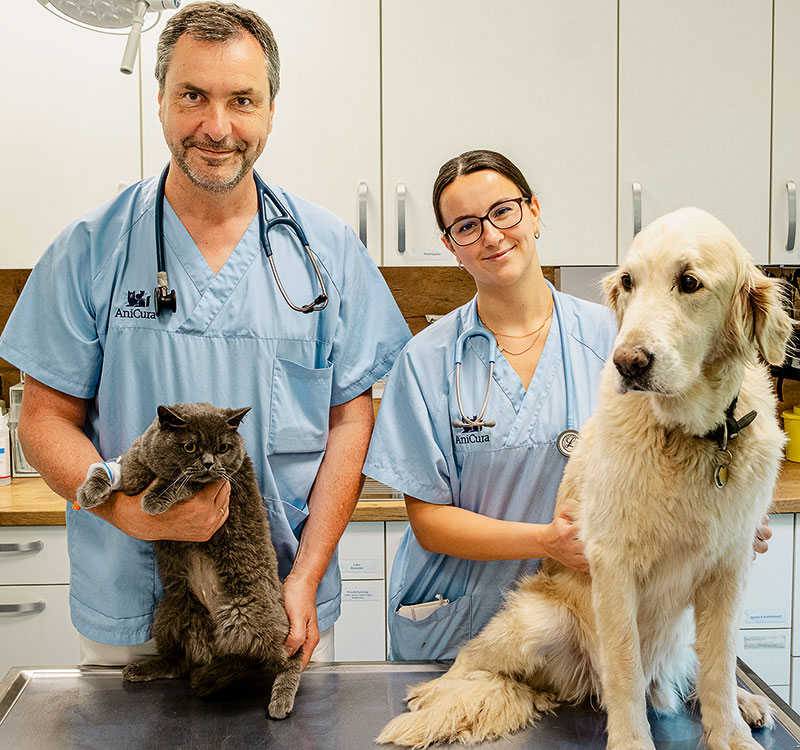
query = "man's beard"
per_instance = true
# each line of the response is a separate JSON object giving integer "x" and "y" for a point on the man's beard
{"x": 248, "y": 158}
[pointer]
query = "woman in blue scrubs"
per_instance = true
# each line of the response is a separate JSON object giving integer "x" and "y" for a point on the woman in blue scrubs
{"x": 481, "y": 499}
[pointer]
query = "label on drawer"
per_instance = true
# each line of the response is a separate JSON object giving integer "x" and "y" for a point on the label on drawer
{"x": 367, "y": 565}
{"x": 432, "y": 254}
{"x": 353, "y": 594}
{"x": 765, "y": 616}
{"x": 752, "y": 642}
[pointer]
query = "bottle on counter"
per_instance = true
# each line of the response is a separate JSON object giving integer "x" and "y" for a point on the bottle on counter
{"x": 5, "y": 451}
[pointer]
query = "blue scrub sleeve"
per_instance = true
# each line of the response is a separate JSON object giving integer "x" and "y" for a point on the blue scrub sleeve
{"x": 370, "y": 331}
{"x": 411, "y": 444}
{"x": 51, "y": 334}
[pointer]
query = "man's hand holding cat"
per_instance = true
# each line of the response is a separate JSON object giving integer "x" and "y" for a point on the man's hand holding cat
{"x": 194, "y": 520}
{"x": 300, "y": 601}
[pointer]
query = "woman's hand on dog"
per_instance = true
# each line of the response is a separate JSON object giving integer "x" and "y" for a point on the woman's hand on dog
{"x": 562, "y": 542}
{"x": 763, "y": 535}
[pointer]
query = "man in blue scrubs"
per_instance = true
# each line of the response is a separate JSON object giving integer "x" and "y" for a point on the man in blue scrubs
{"x": 100, "y": 359}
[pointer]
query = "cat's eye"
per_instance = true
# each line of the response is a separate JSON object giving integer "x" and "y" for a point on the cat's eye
{"x": 223, "y": 448}
{"x": 190, "y": 447}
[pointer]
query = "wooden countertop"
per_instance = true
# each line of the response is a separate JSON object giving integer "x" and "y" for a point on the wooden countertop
{"x": 30, "y": 502}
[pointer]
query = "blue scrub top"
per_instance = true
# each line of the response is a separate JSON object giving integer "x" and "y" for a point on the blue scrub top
{"x": 85, "y": 325}
{"x": 510, "y": 471}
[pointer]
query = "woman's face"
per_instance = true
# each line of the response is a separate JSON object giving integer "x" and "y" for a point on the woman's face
{"x": 498, "y": 256}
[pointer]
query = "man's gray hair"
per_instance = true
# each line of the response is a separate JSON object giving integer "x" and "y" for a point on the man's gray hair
{"x": 218, "y": 22}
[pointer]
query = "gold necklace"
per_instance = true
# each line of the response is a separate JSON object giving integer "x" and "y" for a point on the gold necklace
{"x": 536, "y": 331}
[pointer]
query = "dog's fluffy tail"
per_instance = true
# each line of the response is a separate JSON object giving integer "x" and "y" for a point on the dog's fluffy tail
{"x": 479, "y": 706}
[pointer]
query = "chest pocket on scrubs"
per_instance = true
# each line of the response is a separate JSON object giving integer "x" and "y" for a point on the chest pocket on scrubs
{"x": 301, "y": 401}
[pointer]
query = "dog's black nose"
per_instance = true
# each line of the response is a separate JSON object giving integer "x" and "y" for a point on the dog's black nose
{"x": 632, "y": 361}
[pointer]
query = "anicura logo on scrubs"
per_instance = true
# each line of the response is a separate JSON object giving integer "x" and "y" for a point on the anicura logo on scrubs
{"x": 471, "y": 435}
{"x": 136, "y": 307}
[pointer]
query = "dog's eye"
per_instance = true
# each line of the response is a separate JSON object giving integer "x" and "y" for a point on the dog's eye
{"x": 627, "y": 283}
{"x": 689, "y": 284}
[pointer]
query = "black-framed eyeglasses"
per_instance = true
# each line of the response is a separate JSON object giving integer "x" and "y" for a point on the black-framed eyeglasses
{"x": 503, "y": 215}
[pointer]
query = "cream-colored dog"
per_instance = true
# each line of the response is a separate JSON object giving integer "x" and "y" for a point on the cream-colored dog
{"x": 667, "y": 513}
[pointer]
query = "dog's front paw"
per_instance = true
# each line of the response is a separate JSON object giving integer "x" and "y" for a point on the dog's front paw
{"x": 95, "y": 490}
{"x": 755, "y": 709}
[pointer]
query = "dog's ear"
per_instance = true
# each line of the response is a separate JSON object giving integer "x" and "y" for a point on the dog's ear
{"x": 758, "y": 314}
{"x": 611, "y": 290}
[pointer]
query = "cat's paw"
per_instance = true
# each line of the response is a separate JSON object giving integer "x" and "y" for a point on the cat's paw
{"x": 280, "y": 706}
{"x": 154, "y": 503}
{"x": 153, "y": 669}
{"x": 95, "y": 489}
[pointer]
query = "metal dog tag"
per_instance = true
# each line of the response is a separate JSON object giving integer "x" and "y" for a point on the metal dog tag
{"x": 723, "y": 458}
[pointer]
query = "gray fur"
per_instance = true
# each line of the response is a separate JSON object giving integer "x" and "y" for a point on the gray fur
{"x": 222, "y": 615}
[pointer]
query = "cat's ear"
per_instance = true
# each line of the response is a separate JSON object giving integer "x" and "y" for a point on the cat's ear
{"x": 236, "y": 415}
{"x": 169, "y": 419}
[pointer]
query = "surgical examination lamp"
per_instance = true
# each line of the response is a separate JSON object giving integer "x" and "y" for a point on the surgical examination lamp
{"x": 112, "y": 17}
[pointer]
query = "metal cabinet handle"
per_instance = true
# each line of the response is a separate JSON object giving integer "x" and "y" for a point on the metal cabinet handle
{"x": 6, "y": 609}
{"x": 791, "y": 196}
{"x": 401, "y": 217}
{"x": 637, "y": 208}
{"x": 362, "y": 213}
{"x": 22, "y": 546}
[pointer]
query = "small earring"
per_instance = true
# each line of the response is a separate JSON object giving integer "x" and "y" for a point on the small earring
{"x": 536, "y": 235}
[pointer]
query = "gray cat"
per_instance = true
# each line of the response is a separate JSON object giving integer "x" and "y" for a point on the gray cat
{"x": 222, "y": 614}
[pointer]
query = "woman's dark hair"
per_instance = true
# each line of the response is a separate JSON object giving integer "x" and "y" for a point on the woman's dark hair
{"x": 475, "y": 161}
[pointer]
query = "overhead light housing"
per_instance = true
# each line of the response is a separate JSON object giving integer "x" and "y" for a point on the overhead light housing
{"x": 112, "y": 16}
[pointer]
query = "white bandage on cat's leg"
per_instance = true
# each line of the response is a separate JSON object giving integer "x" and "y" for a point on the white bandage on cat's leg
{"x": 112, "y": 468}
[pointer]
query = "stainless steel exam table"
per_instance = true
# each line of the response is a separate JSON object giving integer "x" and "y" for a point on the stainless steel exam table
{"x": 338, "y": 707}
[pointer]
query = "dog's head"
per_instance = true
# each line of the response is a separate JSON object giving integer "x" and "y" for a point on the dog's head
{"x": 690, "y": 301}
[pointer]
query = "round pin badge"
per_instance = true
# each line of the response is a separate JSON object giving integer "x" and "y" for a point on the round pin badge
{"x": 567, "y": 441}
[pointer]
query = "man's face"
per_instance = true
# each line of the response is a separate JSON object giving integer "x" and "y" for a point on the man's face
{"x": 215, "y": 109}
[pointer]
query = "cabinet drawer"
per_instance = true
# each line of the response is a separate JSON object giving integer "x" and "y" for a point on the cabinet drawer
{"x": 767, "y": 599}
{"x": 361, "y": 551}
{"x": 37, "y": 554}
{"x": 45, "y": 637}
{"x": 767, "y": 653}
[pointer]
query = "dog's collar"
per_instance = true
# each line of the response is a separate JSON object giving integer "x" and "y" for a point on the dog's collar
{"x": 730, "y": 427}
{"x": 721, "y": 434}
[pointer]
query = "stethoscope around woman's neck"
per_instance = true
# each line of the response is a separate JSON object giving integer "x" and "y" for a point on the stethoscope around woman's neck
{"x": 165, "y": 298}
{"x": 567, "y": 438}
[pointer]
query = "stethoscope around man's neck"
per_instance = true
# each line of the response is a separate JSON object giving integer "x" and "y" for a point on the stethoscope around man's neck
{"x": 165, "y": 298}
{"x": 568, "y": 438}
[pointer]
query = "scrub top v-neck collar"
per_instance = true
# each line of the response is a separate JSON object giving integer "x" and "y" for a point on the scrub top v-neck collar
{"x": 214, "y": 289}
{"x": 527, "y": 404}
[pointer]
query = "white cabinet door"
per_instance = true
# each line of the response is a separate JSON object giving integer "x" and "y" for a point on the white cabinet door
{"x": 361, "y": 551}
{"x": 795, "y": 696}
{"x": 360, "y": 631}
{"x": 767, "y": 601}
{"x": 40, "y": 634}
{"x": 534, "y": 80}
{"x": 785, "y": 143}
{"x": 326, "y": 136}
{"x": 694, "y": 113}
{"x": 796, "y": 621}
{"x": 70, "y": 126}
